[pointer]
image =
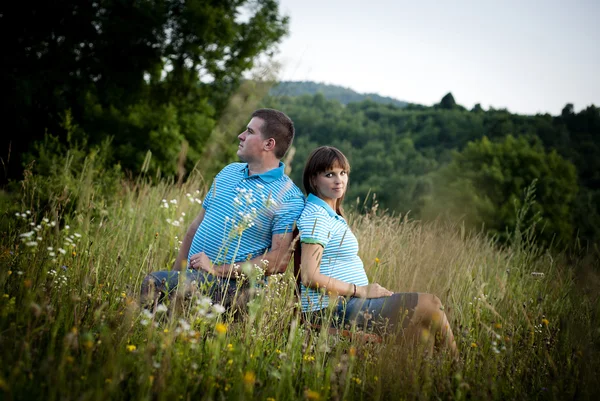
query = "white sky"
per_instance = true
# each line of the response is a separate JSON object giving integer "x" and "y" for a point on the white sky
{"x": 526, "y": 56}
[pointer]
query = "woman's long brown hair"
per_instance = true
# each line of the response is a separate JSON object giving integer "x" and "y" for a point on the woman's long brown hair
{"x": 323, "y": 159}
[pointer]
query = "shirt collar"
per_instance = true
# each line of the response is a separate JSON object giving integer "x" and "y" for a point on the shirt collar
{"x": 267, "y": 176}
{"x": 320, "y": 202}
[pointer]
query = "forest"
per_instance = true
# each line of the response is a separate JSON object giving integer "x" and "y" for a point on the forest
{"x": 175, "y": 86}
{"x": 117, "y": 116}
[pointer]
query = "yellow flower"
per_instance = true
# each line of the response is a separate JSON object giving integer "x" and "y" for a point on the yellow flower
{"x": 376, "y": 260}
{"x": 545, "y": 322}
{"x": 356, "y": 380}
{"x": 131, "y": 348}
{"x": 165, "y": 331}
{"x": 312, "y": 395}
{"x": 123, "y": 295}
{"x": 249, "y": 378}
{"x": 221, "y": 328}
{"x": 74, "y": 253}
{"x": 352, "y": 351}
{"x": 229, "y": 347}
{"x": 473, "y": 345}
{"x": 308, "y": 358}
{"x": 498, "y": 325}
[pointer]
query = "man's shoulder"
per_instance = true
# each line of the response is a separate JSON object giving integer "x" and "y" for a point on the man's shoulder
{"x": 292, "y": 187}
{"x": 233, "y": 168}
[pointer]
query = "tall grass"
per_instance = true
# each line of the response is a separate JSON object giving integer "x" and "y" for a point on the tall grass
{"x": 71, "y": 326}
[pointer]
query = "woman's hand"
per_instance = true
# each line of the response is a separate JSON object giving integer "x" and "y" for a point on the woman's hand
{"x": 199, "y": 261}
{"x": 373, "y": 290}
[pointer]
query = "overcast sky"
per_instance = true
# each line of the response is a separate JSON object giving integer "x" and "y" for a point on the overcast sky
{"x": 526, "y": 56}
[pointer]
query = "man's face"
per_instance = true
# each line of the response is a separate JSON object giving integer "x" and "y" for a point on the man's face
{"x": 252, "y": 143}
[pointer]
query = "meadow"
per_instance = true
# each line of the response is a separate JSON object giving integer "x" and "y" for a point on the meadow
{"x": 75, "y": 248}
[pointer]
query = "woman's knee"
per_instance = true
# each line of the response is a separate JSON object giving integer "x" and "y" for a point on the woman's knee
{"x": 430, "y": 309}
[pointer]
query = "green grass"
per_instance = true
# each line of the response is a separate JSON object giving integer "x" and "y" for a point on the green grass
{"x": 526, "y": 321}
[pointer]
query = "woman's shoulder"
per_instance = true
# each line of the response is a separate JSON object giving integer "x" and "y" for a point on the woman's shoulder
{"x": 312, "y": 210}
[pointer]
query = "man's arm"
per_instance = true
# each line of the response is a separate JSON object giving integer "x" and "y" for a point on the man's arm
{"x": 276, "y": 259}
{"x": 184, "y": 250}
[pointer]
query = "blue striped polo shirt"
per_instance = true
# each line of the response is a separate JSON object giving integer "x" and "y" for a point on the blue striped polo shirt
{"x": 320, "y": 224}
{"x": 242, "y": 212}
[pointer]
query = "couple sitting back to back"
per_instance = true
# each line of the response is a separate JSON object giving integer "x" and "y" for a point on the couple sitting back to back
{"x": 248, "y": 215}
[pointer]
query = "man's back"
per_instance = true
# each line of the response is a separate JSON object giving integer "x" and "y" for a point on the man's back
{"x": 243, "y": 212}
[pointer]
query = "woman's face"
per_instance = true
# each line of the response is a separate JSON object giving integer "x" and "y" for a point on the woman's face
{"x": 331, "y": 184}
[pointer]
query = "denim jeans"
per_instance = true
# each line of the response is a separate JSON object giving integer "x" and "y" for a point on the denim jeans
{"x": 159, "y": 284}
{"x": 382, "y": 315}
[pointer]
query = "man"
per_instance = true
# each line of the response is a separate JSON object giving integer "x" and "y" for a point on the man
{"x": 248, "y": 215}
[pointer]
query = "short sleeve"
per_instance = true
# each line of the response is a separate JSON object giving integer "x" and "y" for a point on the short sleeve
{"x": 209, "y": 195}
{"x": 211, "y": 192}
{"x": 315, "y": 228}
{"x": 287, "y": 214}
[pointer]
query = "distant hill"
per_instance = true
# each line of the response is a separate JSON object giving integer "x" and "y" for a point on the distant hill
{"x": 343, "y": 95}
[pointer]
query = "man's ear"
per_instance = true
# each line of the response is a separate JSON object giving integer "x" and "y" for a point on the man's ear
{"x": 269, "y": 144}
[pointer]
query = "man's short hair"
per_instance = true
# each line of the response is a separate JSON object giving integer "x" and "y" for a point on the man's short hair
{"x": 277, "y": 126}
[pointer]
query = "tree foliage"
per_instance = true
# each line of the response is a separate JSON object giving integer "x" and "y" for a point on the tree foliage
{"x": 417, "y": 159}
{"x": 153, "y": 74}
{"x": 486, "y": 184}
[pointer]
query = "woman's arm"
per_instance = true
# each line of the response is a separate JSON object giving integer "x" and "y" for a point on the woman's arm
{"x": 312, "y": 277}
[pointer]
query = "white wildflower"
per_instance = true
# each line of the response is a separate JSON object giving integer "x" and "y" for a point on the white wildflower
{"x": 218, "y": 308}
{"x": 27, "y": 234}
{"x": 62, "y": 251}
{"x": 31, "y": 243}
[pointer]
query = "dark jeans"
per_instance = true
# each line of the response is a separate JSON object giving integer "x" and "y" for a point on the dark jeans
{"x": 159, "y": 284}
{"x": 381, "y": 315}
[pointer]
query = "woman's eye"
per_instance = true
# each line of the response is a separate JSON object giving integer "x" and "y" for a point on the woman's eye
{"x": 328, "y": 175}
{"x": 343, "y": 173}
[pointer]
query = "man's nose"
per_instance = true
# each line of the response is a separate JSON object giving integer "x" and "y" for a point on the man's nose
{"x": 242, "y": 136}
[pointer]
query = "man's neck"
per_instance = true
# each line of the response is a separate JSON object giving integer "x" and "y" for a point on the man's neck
{"x": 262, "y": 166}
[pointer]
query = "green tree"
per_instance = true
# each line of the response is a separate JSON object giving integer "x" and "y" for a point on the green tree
{"x": 485, "y": 184}
{"x": 151, "y": 74}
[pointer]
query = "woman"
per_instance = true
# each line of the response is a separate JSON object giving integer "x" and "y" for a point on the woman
{"x": 330, "y": 263}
